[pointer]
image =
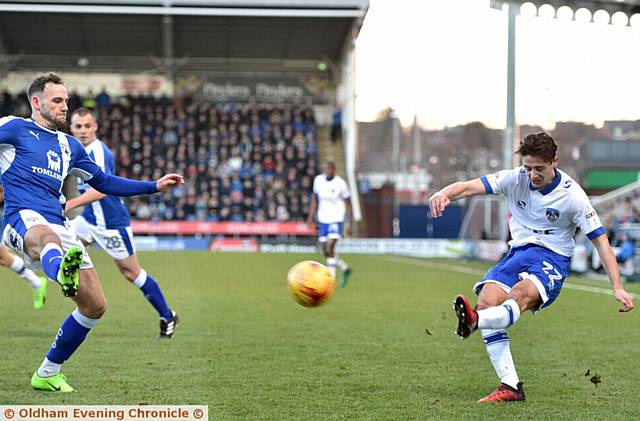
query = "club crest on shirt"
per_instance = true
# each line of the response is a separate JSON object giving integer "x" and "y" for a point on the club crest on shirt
{"x": 552, "y": 214}
{"x": 53, "y": 161}
{"x": 521, "y": 204}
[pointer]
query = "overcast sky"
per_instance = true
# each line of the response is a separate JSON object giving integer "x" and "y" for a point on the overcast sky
{"x": 445, "y": 60}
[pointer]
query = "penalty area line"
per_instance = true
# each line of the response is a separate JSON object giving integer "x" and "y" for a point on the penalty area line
{"x": 472, "y": 271}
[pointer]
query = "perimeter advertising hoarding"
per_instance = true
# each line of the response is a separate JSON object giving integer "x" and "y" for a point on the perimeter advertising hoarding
{"x": 262, "y": 89}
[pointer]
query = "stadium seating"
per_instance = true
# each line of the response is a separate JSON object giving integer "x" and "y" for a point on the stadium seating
{"x": 241, "y": 162}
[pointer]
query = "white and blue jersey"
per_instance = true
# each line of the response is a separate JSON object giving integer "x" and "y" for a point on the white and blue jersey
{"x": 34, "y": 162}
{"x": 547, "y": 217}
{"x": 331, "y": 194}
{"x": 543, "y": 223}
{"x": 109, "y": 212}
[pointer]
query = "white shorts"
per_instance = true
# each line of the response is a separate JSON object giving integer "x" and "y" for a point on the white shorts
{"x": 118, "y": 243}
{"x": 17, "y": 226}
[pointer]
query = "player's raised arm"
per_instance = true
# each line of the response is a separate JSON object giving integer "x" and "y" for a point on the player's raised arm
{"x": 608, "y": 259}
{"x": 441, "y": 199}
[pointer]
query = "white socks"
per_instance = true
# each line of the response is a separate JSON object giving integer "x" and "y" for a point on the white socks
{"x": 497, "y": 343}
{"x": 27, "y": 274}
{"x": 48, "y": 368}
{"x": 331, "y": 265}
{"x": 492, "y": 323}
{"x": 499, "y": 317}
{"x": 342, "y": 265}
{"x": 141, "y": 279}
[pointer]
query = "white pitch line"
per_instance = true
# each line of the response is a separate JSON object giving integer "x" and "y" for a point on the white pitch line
{"x": 473, "y": 271}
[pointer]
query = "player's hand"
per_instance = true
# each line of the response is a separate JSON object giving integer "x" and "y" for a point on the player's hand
{"x": 437, "y": 203}
{"x": 349, "y": 229}
{"x": 625, "y": 298}
{"x": 169, "y": 181}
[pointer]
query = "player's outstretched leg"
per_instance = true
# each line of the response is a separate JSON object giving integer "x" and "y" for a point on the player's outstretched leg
{"x": 505, "y": 393}
{"x": 467, "y": 317}
{"x": 68, "y": 272}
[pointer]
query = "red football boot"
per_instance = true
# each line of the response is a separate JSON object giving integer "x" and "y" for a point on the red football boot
{"x": 505, "y": 393}
{"x": 467, "y": 317}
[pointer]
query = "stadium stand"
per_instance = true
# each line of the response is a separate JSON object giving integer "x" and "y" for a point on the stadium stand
{"x": 250, "y": 162}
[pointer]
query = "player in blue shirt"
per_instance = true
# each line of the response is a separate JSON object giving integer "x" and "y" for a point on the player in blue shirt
{"x": 35, "y": 158}
{"x": 547, "y": 206}
{"x": 105, "y": 220}
{"x": 11, "y": 261}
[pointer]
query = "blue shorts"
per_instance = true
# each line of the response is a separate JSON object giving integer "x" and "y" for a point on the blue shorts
{"x": 545, "y": 268}
{"x": 333, "y": 230}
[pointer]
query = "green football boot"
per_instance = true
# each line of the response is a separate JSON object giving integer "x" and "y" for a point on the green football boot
{"x": 40, "y": 294}
{"x": 69, "y": 269}
{"x": 345, "y": 277}
{"x": 57, "y": 383}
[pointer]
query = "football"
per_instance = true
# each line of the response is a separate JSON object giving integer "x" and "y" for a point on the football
{"x": 310, "y": 283}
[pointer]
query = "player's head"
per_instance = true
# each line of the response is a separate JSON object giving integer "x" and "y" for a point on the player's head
{"x": 48, "y": 99}
{"x": 330, "y": 169}
{"x": 539, "y": 158}
{"x": 84, "y": 125}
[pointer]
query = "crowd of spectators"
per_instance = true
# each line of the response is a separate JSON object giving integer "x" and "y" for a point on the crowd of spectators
{"x": 621, "y": 219}
{"x": 251, "y": 162}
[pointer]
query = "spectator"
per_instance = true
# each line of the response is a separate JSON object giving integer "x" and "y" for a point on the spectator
{"x": 336, "y": 127}
{"x": 626, "y": 248}
{"x": 103, "y": 100}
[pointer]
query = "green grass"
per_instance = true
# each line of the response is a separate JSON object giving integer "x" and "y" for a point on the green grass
{"x": 249, "y": 352}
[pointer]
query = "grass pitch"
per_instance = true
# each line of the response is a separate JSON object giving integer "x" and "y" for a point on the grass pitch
{"x": 382, "y": 348}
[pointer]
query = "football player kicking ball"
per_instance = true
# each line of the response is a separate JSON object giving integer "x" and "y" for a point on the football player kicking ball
{"x": 331, "y": 198}
{"x": 107, "y": 222}
{"x": 35, "y": 158}
{"x": 546, "y": 207}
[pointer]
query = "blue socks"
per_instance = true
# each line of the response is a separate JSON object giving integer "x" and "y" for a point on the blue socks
{"x": 71, "y": 334}
{"x": 153, "y": 294}
{"x": 50, "y": 258}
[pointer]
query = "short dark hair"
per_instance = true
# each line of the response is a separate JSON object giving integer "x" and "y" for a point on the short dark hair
{"x": 38, "y": 84}
{"x": 83, "y": 111}
{"x": 540, "y": 145}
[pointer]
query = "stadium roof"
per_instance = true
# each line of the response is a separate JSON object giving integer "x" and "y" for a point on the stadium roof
{"x": 212, "y": 36}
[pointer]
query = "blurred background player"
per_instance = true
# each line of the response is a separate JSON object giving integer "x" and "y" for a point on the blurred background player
{"x": 16, "y": 264}
{"x": 35, "y": 159}
{"x": 106, "y": 221}
{"x": 331, "y": 198}
{"x": 546, "y": 207}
